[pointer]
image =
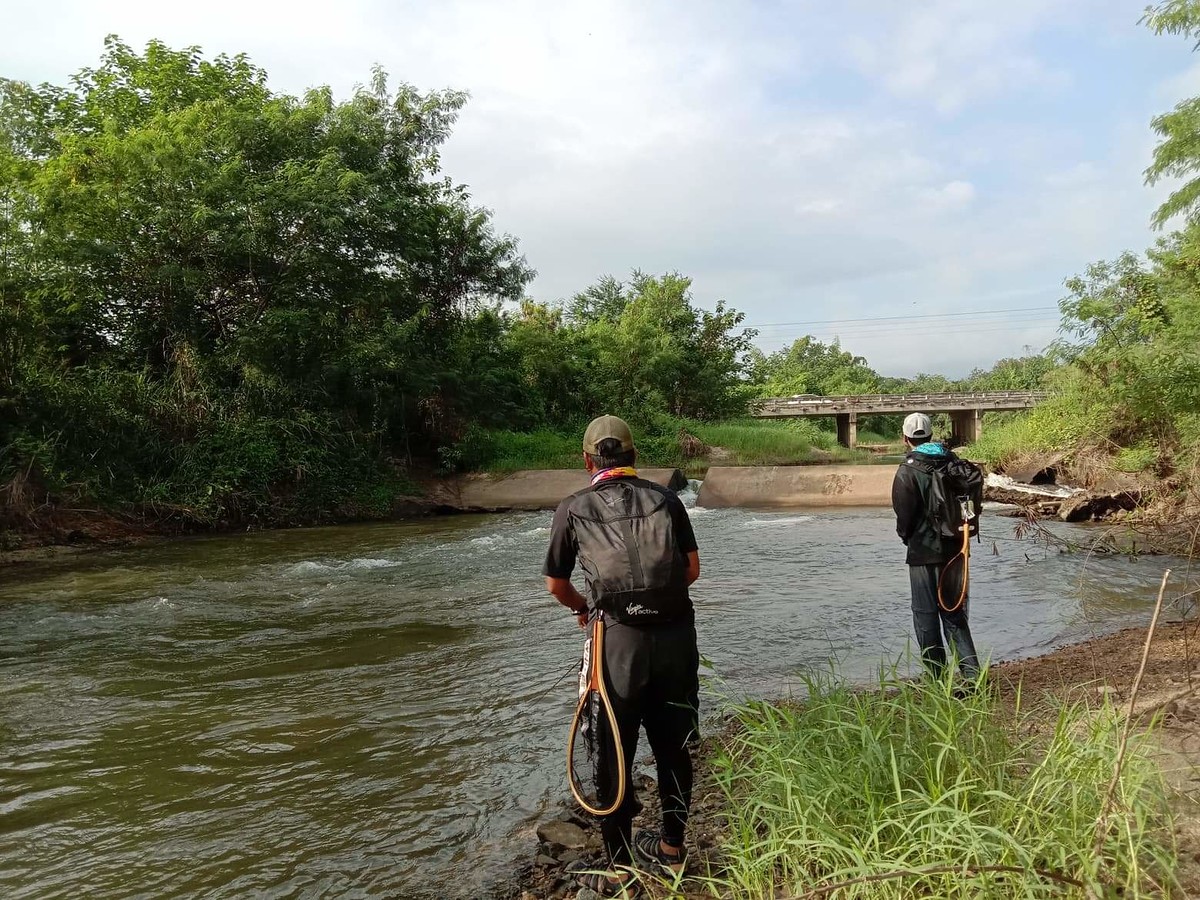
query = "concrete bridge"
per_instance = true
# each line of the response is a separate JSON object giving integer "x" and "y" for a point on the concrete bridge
{"x": 966, "y": 409}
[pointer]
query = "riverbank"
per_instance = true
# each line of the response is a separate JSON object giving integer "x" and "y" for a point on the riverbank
{"x": 1141, "y": 512}
{"x": 63, "y": 531}
{"x": 1030, "y": 695}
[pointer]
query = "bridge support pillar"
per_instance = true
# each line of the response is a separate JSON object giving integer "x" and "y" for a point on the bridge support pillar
{"x": 967, "y": 426}
{"x": 847, "y": 429}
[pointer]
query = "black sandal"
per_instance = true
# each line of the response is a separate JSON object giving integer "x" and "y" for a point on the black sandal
{"x": 647, "y": 848}
{"x": 594, "y": 877}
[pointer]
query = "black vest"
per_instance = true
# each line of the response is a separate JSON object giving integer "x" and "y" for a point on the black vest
{"x": 629, "y": 552}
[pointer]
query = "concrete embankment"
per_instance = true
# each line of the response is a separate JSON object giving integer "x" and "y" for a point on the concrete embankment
{"x": 765, "y": 487}
{"x": 533, "y": 489}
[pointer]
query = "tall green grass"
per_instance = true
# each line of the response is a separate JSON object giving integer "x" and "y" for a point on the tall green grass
{"x": 908, "y": 779}
{"x": 742, "y": 442}
{"x": 754, "y": 442}
{"x": 1075, "y": 416}
{"x": 494, "y": 450}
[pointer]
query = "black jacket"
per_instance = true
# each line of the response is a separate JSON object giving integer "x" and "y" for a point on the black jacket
{"x": 910, "y": 492}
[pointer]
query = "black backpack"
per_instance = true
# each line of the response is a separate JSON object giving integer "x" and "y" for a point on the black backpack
{"x": 951, "y": 486}
{"x": 628, "y": 551}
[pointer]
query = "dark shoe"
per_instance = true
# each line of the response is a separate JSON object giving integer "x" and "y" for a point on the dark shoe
{"x": 594, "y": 877}
{"x": 974, "y": 685}
{"x": 647, "y": 849}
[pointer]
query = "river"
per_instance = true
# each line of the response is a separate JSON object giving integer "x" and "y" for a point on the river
{"x": 373, "y": 710}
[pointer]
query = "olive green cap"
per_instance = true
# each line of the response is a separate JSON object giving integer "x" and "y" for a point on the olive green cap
{"x": 604, "y": 427}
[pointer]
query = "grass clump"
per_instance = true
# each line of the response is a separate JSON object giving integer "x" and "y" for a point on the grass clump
{"x": 898, "y": 784}
{"x": 755, "y": 442}
{"x": 661, "y": 442}
{"x": 496, "y": 450}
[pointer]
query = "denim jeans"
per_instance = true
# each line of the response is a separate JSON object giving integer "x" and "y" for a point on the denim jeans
{"x": 930, "y": 621}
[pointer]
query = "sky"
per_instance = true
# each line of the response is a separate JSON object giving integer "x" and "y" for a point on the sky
{"x": 913, "y": 179}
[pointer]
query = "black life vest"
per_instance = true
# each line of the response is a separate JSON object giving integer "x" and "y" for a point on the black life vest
{"x": 629, "y": 553}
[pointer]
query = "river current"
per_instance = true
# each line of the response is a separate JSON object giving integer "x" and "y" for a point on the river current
{"x": 381, "y": 710}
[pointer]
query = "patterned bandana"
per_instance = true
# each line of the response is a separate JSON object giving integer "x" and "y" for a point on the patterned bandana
{"x": 614, "y": 472}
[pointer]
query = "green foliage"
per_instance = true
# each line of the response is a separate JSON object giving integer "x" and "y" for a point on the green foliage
{"x": 244, "y": 305}
{"x": 1075, "y": 415}
{"x": 808, "y": 366}
{"x": 1110, "y": 309}
{"x": 1177, "y": 155}
{"x": 1025, "y": 373}
{"x": 855, "y": 783}
{"x": 1135, "y": 459}
{"x": 644, "y": 349}
{"x": 501, "y": 450}
{"x": 1180, "y": 17}
{"x": 749, "y": 442}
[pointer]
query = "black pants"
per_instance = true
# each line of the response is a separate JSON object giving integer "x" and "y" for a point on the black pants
{"x": 652, "y": 677}
{"x": 928, "y": 616}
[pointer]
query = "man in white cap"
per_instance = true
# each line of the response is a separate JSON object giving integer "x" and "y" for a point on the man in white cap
{"x": 635, "y": 544}
{"x": 928, "y": 550}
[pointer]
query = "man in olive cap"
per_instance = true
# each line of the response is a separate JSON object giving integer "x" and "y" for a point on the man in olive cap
{"x": 635, "y": 544}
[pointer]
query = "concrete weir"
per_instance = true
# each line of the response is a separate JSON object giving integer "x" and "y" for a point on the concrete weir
{"x": 528, "y": 490}
{"x": 767, "y": 487}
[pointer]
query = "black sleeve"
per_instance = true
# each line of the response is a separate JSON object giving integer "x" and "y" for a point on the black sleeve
{"x": 906, "y": 502}
{"x": 685, "y": 537}
{"x": 560, "y": 556}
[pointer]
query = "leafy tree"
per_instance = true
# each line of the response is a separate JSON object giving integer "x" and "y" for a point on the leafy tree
{"x": 808, "y": 366}
{"x": 1114, "y": 305}
{"x": 603, "y": 301}
{"x": 640, "y": 348}
{"x": 248, "y": 256}
{"x": 1026, "y": 373}
{"x": 1177, "y": 155}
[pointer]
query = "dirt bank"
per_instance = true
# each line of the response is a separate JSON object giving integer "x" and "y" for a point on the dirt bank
{"x": 1087, "y": 673}
{"x": 775, "y": 487}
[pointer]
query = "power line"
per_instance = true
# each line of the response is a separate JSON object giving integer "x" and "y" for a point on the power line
{"x": 910, "y": 329}
{"x": 974, "y": 312}
{"x": 926, "y": 325}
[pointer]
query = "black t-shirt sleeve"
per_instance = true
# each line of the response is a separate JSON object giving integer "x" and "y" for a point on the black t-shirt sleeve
{"x": 905, "y": 497}
{"x": 560, "y": 556}
{"x": 685, "y": 537}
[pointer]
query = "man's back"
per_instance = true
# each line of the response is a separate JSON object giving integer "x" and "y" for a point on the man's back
{"x": 910, "y": 501}
{"x": 626, "y": 533}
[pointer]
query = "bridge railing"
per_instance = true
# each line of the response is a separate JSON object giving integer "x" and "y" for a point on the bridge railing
{"x": 812, "y": 405}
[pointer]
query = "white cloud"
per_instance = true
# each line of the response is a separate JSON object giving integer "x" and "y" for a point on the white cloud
{"x": 954, "y": 195}
{"x": 953, "y": 53}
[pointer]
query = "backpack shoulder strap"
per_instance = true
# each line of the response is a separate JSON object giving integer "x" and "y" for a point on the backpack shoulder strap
{"x": 923, "y": 465}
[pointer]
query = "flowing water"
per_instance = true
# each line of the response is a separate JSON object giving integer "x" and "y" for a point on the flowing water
{"x": 381, "y": 710}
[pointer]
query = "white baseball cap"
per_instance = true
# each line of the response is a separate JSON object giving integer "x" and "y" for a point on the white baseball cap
{"x": 918, "y": 427}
